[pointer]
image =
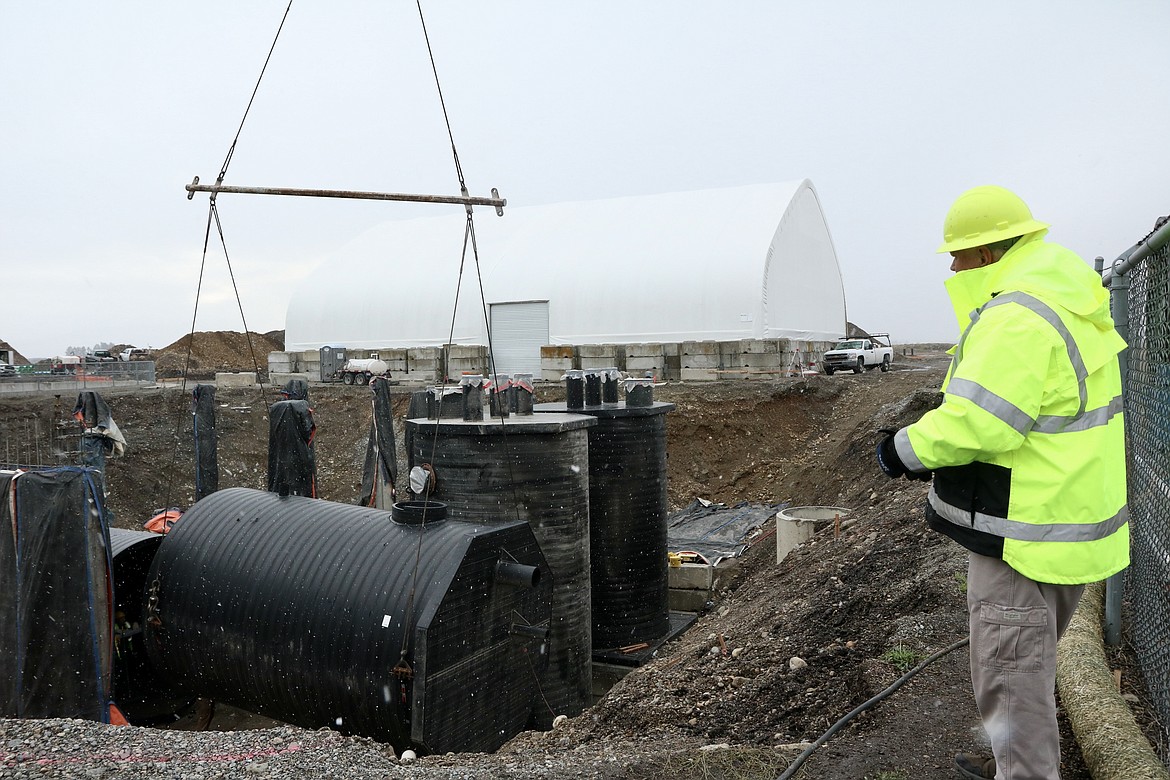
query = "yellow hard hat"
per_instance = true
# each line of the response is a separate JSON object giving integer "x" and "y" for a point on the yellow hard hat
{"x": 984, "y": 215}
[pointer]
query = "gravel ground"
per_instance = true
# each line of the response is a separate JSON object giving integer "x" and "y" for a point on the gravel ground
{"x": 83, "y": 749}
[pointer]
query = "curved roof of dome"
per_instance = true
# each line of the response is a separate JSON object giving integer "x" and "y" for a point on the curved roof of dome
{"x": 744, "y": 262}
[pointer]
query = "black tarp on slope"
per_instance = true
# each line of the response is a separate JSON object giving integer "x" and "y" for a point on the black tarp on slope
{"x": 292, "y": 461}
{"x": 56, "y": 625}
{"x": 716, "y": 531}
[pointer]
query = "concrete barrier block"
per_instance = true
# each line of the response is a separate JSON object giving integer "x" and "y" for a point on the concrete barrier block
{"x": 702, "y": 360}
{"x": 644, "y": 351}
{"x": 557, "y": 352}
{"x": 595, "y": 351}
{"x": 280, "y": 362}
{"x": 281, "y": 379}
{"x": 770, "y": 360}
{"x": 424, "y": 353}
{"x": 639, "y": 366}
{"x": 690, "y": 576}
{"x": 235, "y": 379}
{"x": 681, "y": 600}
{"x": 698, "y": 348}
{"x": 698, "y": 375}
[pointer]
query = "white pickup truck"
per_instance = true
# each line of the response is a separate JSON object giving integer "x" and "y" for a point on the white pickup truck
{"x": 855, "y": 354}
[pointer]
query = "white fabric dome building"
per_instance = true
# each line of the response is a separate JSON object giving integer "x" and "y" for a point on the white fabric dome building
{"x": 753, "y": 262}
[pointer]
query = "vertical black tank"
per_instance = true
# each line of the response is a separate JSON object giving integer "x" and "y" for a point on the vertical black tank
{"x": 535, "y": 469}
{"x": 627, "y": 521}
{"x": 314, "y": 613}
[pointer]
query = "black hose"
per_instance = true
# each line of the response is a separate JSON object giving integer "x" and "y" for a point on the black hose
{"x": 794, "y": 767}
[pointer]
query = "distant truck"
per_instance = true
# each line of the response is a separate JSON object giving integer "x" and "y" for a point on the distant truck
{"x": 359, "y": 371}
{"x": 867, "y": 352}
{"x": 134, "y": 353}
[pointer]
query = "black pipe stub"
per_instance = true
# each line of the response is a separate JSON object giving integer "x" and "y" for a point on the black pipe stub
{"x": 639, "y": 391}
{"x": 519, "y": 574}
{"x": 593, "y": 387}
{"x": 522, "y": 393}
{"x": 575, "y": 388}
{"x": 418, "y": 512}
{"x": 609, "y": 385}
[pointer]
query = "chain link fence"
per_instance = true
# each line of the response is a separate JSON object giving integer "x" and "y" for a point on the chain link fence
{"x": 1146, "y": 268}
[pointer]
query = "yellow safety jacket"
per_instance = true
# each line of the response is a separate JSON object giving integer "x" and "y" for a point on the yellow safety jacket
{"x": 1028, "y": 446}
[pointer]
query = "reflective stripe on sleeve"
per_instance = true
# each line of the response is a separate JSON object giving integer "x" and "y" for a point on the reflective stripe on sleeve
{"x": 1029, "y": 532}
{"x": 998, "y": 407}
{"x": 906, "y": 452}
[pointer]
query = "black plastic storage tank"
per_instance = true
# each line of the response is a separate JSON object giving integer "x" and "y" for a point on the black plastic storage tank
{"x": 314, "y": 613}
{"x": 535, "y": 469}
{"x": 142, "y": 695}
{"x": 627, "y": 521}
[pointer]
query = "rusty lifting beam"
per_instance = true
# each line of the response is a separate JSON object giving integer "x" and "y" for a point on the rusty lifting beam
{"x": 465, "y": 200}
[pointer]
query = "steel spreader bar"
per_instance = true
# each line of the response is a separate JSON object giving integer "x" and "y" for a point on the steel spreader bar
{"x": 465, "y": 200}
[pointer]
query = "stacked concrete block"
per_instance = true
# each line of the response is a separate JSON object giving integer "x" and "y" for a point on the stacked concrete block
{"x": 691, "y": 585}
{"x": 758, "y": 358}
{"x": 700, "y": 361}
{"x": 280, "y": 363}
{"x": 555, "y": 360}
{"x": 660, "y": 360}
{"x": 466, "y": 359}
{"x": 396, "y": 360}
{"x": 601, "y": 356}
{"x": 425, "y": 364}
{"x": 307, "y": 362}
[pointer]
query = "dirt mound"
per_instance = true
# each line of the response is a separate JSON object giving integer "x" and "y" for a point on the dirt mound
{"x": 204, "y": 353}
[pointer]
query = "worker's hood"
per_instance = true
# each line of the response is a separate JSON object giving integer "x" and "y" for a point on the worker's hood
{"x": 1051, "y": 273}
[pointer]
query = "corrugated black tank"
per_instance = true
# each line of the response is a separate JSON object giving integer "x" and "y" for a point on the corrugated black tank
{"x": 535, "y": 469}
{"x": 143, "y": 695}
{"x": 297, "y": 609}
{"x": 627, "y": 522}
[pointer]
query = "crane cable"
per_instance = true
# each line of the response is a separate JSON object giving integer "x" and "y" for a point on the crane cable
{"x": 468, "y": 240}
{"x": 213, "y": 216}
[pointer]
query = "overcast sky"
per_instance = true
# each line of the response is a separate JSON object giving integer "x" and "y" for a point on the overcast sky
{"x": 892, "y": 109}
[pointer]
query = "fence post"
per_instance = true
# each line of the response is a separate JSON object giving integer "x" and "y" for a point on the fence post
{"x": 1115, "y": 585}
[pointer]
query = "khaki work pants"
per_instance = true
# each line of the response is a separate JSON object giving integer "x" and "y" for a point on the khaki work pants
{"x": 1015, "y": 624}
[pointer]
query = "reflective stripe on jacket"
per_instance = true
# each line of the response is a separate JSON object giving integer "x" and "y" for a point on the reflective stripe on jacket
{"x": 1028, "y": 446}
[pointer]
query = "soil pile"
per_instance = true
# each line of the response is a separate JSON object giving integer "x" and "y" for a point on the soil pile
{"x": 212, "y": 351}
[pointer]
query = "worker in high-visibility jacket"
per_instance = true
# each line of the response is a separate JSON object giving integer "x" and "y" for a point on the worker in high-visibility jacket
{"x": 1027, "y": 452}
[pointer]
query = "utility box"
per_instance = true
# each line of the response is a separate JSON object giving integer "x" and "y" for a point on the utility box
{"x": 332, "y": 361}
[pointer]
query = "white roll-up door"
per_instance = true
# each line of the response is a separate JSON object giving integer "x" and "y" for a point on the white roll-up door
{"x": 519, "y": 330}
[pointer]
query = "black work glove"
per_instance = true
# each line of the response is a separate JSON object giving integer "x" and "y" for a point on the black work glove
{"x": 891, "y": 464}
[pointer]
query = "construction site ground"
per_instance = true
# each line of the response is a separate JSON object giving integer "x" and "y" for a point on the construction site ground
{"x": 780, "y": 655}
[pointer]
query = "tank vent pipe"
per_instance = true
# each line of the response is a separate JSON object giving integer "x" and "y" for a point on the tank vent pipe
{"x": 512, "y": 573}
{"x": 609, "y": 385}
{"x": 593, "y": 387}
{"x": 575, "y": 389}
